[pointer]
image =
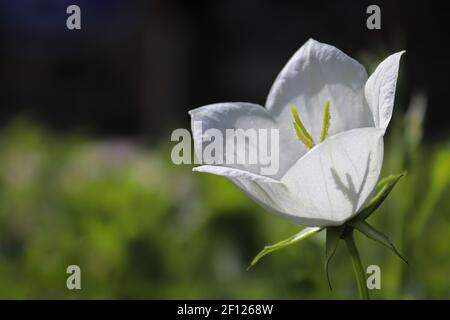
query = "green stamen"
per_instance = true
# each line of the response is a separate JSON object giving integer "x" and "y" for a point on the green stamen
{"x": 300, "y": 130}
{"x": 326, "y": 121}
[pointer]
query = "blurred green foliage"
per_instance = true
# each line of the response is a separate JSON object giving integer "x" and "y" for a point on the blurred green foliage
{"x": 141, "y": 227}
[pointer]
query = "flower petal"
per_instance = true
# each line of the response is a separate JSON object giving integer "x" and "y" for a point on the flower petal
{"x": 316, "y": 73}
{"x": 234, "y": 173}
{"x": 271, "y": 194}
{"x": 335, "y": 179}
{"x": 380, "y": 90}
{"x": 223, "y": 116}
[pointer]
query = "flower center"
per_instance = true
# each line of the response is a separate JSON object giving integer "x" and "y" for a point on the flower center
{"x": 303, "y": 134}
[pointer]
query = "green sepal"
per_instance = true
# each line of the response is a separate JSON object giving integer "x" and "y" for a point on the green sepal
{"x": 334, "y": 234}
{"x": 376, "y": 235}
{"x": 305, "y": 233}
{"x": 384, "y": 187}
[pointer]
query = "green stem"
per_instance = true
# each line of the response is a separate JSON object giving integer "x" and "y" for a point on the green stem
{"x": 357, "y": 266}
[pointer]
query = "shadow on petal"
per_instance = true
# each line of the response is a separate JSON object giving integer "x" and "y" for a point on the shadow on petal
{"x": 349, "y": 190}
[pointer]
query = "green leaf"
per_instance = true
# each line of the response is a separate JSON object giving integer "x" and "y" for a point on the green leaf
{"x": 384, "y": 187}
{"x": 300, "y": 130}
{"x": 326, "y": 121}
{"x": 305, "y": 233}
{"x": 376, "y": 235}
{"x": 333, "y": 236}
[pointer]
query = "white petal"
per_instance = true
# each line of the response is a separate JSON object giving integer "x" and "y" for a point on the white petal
{"x": 234, "y": 173}
{"x": 223, "y": 116}
{"x": 316, "y": 73}
{"x": 334, "y": 180}
{"x": 380, "y": 90}
{"x": 271, "y": 194}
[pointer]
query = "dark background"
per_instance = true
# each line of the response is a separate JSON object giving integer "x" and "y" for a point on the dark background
{"x": 136, "y": 67}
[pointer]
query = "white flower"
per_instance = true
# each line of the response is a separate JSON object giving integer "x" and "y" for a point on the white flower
{"x": 331, "y": 182}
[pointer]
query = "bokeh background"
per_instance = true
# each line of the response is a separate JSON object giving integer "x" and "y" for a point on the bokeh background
{"x": 85, "y": 170}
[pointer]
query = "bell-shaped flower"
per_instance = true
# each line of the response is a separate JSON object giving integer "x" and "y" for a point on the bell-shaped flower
{"x": 328, "y": 176}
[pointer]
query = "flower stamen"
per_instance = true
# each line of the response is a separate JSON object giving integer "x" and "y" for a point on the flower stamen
{"x": 300, "y": 130}
{"x": 326, "y": 121}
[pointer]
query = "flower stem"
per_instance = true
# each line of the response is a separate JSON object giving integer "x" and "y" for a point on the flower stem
{"x": 357, "y": 266}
